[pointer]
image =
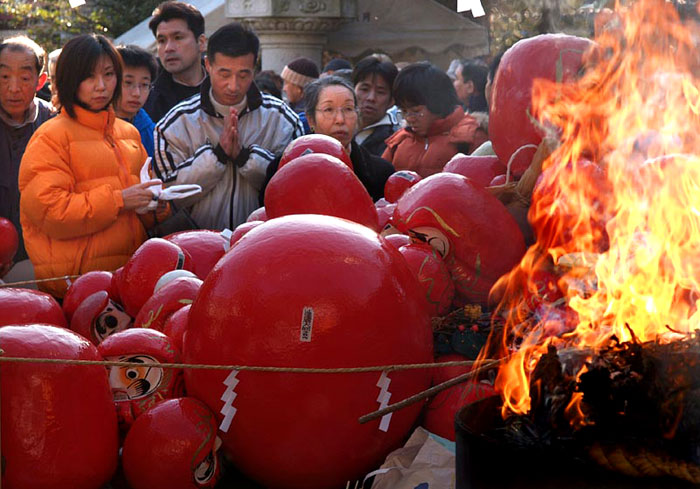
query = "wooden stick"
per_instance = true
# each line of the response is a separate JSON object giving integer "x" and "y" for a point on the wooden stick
{"x": 429, "y": 392}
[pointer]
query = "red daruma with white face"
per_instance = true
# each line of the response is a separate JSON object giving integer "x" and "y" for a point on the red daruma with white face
{"x": 316, "y": 291}
{"x": 470, "y": 228}
{"x": 136, "y": 388}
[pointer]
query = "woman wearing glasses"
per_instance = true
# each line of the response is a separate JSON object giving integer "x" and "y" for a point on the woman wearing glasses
{"x": 331, "y": 109}
{"x": 437, "y": 127}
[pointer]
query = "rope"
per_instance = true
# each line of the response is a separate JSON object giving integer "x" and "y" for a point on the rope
{"x": 252, "y": 368}
{"x": 429, "y": 392}
{"x": 38, "y": 281}
{"x": 512, "y": 158}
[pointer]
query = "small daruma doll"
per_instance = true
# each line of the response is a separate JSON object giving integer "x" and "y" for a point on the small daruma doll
{"x": 173, "y": 446}
{"x": 136, "y": 388}
{"x": 98, "y": 317}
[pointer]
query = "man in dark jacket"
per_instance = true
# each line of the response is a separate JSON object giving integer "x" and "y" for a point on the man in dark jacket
{"x": 470, "y": 84}
{"x": 21, "y": 113}
{"x": 373, "y": 78}
{"x": 179, "y": 31}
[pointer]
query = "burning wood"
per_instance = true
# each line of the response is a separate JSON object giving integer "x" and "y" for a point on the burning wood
{"x": 602, "y": 311}
{"x": 635, "y": 408}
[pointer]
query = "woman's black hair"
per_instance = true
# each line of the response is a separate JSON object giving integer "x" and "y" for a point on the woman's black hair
{"x": 424, "y": 84}
{"x": 312, "y": 91}
{"x": 77, "y": 62}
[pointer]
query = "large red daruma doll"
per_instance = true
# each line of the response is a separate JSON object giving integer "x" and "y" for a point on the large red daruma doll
{"x": 312, "y": 291}
{"x": 319, "y": 184}
{"x": 27, "y": 306}
{"x": 314, "y": 143}
{"x": 512, "y": 129}
{"x": 204, "y": 246}
{"x": 472, "y": 230}
{"x": 59, "y": 426}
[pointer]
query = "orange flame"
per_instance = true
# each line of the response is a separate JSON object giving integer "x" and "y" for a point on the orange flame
{"x": 617, "y": 210}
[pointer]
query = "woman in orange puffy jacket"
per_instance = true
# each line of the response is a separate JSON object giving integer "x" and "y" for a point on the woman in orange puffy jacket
{"x": 437, "y": 128}
{"x": 79, "y": 177}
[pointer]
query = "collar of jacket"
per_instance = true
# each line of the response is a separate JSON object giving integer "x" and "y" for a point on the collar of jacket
{"x": 356, "y": 154}
{"x": 444, "y": 125}
{"x": 30, "y": 115}
{"x": 254, "y": 98}
{"x": 102, "y": 121}
{"x": 164, "y": 79}
{"x": 387, "y": 120}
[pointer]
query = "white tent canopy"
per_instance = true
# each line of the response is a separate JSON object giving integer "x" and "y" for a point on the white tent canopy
{"x": 422, "y": 27}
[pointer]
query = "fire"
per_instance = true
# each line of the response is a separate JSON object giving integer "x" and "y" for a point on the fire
{"x": 617, "y": 211}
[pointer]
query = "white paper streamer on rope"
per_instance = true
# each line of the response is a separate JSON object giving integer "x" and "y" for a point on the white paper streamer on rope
{"x": 228, "y": 397}
{"x": 383, "y": 400}
{"x": 76, "y": 3}
{"x": 473, "y": 5}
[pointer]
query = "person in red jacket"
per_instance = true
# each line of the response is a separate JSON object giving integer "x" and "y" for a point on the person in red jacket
{"x": 437, "y": 127}
{"x": 79, "y": 176}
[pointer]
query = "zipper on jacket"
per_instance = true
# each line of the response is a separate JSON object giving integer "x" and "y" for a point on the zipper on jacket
{"x": 120, "y": 159}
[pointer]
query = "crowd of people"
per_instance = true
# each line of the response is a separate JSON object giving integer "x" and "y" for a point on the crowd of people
{"x": 77, "y": 127}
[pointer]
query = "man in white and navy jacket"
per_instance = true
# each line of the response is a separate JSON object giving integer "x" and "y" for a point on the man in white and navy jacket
{"x": 224, "y": 138}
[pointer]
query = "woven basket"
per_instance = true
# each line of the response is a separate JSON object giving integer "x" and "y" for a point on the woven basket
{"x": 640, "y": 462}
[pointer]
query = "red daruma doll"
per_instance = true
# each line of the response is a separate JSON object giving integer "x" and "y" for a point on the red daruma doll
{"x": 321, "y": 292}
{"x": 9, "y": 242}
{"x": 173, "y": 446}
{"x": 136, "y": 388}
{"x": 59, "y": 427}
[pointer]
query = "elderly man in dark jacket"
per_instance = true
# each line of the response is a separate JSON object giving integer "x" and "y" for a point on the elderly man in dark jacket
{"x": 21, "y": 113}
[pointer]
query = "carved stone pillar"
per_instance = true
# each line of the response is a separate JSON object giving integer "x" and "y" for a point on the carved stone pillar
{"x": 291, "y": 28}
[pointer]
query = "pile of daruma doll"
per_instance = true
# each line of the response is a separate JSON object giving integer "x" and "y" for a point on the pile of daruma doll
{"x": 321, "y": 277}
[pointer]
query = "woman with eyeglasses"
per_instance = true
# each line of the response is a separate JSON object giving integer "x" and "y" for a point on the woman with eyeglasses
{"x": 331, "y": 109}
{"x": 437, "y": 127}
{"x": 79, "y": 177}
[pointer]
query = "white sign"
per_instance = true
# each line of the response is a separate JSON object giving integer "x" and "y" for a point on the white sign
{"x": 473, "y": 5}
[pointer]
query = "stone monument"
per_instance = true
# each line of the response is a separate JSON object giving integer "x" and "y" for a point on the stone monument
{"x": 291, "y": 28}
